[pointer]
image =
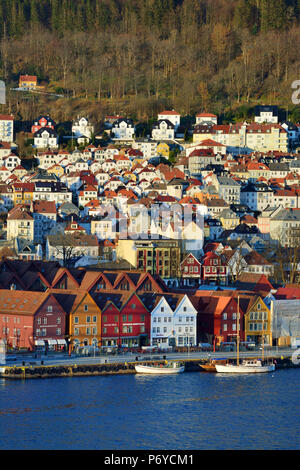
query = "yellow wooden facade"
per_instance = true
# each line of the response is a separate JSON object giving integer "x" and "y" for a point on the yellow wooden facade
{"x": 85, "y": 322}
{"x": 258, "y": 323}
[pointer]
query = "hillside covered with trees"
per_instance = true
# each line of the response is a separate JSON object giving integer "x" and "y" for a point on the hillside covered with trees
{"x": 140, "y": 56}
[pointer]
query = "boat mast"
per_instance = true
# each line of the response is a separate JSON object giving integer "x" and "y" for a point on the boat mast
{"x": 238, "y": 332}
{"x": 262, "y": 342}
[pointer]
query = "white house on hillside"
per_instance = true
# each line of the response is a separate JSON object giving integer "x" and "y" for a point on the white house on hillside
{"x": 82, "y": 129}
{"x": 171, "y": 116}
{"x": 45, "y": 138}
{"x": 123, "y": 129}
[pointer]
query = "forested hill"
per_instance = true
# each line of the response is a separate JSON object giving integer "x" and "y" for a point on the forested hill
{"x": 143, "y": 55}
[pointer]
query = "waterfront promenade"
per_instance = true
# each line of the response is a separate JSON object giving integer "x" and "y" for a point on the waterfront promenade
{"x": 65, "y": 359}
{"x": 65, "y": 366}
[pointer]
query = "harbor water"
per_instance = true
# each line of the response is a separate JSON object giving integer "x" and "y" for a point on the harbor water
{"x": 190, "y": 411}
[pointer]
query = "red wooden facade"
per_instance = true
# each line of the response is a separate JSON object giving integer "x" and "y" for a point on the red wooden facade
{"x": 214, "y": 269}
{"x": 190, "y": 268}
{"x": 49, "y": 325}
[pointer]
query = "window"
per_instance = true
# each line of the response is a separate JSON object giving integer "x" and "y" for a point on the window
{"x": 88, "y": 319}
{"x": 58, "y": 320}
{"x": 142, "y": 317}
{"x": 58, "y": 331}
{"x": 224, "y": 316}
{"x": 86, "y": 308}
{"x": 76, "y": 320}
{"x": 49, "y": 308}
{"x": 225, "y": 327}
{"x": 104, "y": 318}
{"x": 94, "y": 319}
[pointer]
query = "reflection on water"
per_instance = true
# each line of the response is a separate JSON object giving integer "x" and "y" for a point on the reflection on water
{"x": 186, "y": 411}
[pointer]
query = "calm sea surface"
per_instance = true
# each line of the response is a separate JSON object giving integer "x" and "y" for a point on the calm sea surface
{"x": 191, "y": 411}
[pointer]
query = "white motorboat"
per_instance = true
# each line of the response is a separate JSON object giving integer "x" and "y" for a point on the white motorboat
{"x": 168, "y": 368}
{"x": 246, "y": 367}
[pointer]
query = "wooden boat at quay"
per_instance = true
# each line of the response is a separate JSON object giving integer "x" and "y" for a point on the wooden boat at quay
{"x": 167, "y": 368}
{"x": 210, "y": 366}
{"x": 247, "y": 366}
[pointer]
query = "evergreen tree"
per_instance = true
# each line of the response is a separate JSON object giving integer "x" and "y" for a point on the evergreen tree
{"x": 244, "y": 14}
{"x": 34, "y": 12}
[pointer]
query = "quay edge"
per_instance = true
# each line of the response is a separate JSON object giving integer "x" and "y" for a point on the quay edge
{"x": 89, "y": 370}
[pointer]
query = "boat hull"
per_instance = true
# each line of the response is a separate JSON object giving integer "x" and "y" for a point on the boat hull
{"x": 208, "y": 367}
{"x": 235, "y": 369}
{"x": 158, "y": 370}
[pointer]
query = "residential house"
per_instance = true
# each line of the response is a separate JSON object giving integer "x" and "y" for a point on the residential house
{"x": 171, "y": 116}
{"x": 20, "y": 223}
{"x": 28, "y": 81}
{"x": 6, "y": 128}
{"x": 82, "y": 129}
{"x": 228, "y": 189}
{"x": 257, "y": 196}
{"x": 45, "y": 217}
{"x": 206, "y": 119}
{"x": 123, "y": 130}
{"x": 45, "y": 138}
{"x": 214, "y": 270}
{"x": 42, "y": 122}
{"x": 191, "y": 270}
{"x": 163, "y": 130}
{"x": 67, "y": 247}
{"x": 266, "y": 114}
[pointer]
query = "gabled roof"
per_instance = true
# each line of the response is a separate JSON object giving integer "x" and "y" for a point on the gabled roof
{"x": 60, "y": 273}
{"x": 254, "y": 282}
{"x": 21, "y": 302}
